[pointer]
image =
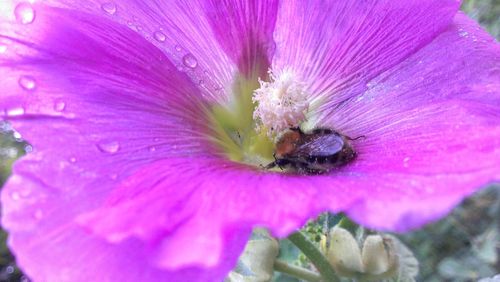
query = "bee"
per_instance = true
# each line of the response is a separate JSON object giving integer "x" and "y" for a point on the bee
{"x": 316, "y": 152}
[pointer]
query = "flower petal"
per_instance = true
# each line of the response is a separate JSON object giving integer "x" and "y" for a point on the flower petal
{"x": 217, "y": 197}
{"x": 338, "y": 46}
{"x": 49, "y": 246}
{"x": 432, "y": 137}
{"x": 96, "y": 110}
{"x": 432, "y": 123}
{"x": 210, "y": 40}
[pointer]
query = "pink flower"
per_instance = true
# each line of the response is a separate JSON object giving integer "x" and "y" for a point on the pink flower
{"x": 121, "y": 102}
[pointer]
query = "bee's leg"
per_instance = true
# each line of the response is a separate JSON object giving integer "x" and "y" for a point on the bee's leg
{"x": 281, "y": 163}
{"x": 269, "y": 166}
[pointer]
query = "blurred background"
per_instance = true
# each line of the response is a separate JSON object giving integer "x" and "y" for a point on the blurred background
{"x": 464, "y": 246}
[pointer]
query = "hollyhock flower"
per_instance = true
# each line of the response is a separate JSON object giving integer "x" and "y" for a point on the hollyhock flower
{"x": 146, "y": 159}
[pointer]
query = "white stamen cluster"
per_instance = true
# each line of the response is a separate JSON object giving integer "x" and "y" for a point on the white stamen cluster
{"x": 281, "y": 103}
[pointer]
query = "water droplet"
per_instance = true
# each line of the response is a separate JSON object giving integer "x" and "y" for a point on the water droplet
{"x": 24, "y": 13}
{"x": 152, "y": 149}
{"x": 27, "y": 82}
{"x": 109, "y": 8}
{"x": 38, "y": 214}
{"x": 15, "y": 196}
{"x": 109, "y": 147}
{"x": 178, "y": 48}
{"x": 28, "y": 148}
{"x": 3, "y": 48}
{"x": 190, "y": 61}
{"x": 160, "y": 36}
{"x": 59, "y": 106}
{"x": 405, "y": 161}
{"x": 15, "y": 112}
{"x": 72, "y": 160}
{"x": 463, "y": 33}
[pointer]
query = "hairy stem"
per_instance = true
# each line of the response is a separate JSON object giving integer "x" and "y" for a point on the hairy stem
{"x": 315, "y": 256}
{"x": 295, "y": 271}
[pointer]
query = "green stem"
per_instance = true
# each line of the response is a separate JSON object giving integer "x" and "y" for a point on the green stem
{"x": 314, "y": 255}
{"x": 295, "y": 271}
{"x": 346, "y": 223}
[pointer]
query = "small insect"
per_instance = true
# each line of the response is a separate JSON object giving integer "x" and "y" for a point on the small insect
{"x": 312, "y": 153}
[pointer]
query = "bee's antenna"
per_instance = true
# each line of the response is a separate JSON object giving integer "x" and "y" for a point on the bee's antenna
{"x": 354, "y": 139}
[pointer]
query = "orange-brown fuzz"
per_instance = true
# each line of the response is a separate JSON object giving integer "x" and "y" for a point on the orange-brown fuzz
{"x": 287, "y": 143}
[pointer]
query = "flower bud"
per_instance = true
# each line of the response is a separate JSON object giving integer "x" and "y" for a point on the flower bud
{"x": 344, "y": 253}
{"x": 377, "y": 259}
{"x": 256, "y": 264}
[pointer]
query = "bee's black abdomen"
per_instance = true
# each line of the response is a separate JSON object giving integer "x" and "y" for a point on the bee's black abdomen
{"x": 311, "y": 159}
{"x": 322, "y": 131}
{"x": 332, "y": 159}
{"x": 315, "y": 153}
{"x": 321, "y": 160}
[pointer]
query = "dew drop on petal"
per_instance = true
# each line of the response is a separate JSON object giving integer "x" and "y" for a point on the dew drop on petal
{"x": 59, "y": 106}
{"x": 38, "y": 214}
{"x": 72, "y": 160}
{"x": 160, "y": 36}
{"x": 27, "y": 82}
{"x": 109, "y": 147}
{"x": 109, "y": 8}
{"x": 24, "y": 13}
{"x": 178, "y": 48}
{"x": 15, "y": 196}
{"x": 405, "y": 161}
{"x": 190, "y": 61}
{"x": 152, "y": 149}
{"x": 13, "y": 112}
{"x": 28, "y": 148}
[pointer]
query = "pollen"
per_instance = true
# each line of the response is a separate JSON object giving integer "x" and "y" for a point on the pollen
{"x": 281, "y": 103}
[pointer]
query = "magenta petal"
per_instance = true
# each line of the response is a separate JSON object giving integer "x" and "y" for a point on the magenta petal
{"x": 338, "y": 46}
{"x": 429, "y": 143}
{"x": 130, "y": 190}
{"x": 49, "y": 246}
{"x": 245, "y": 32}
{"x": 95, "y": 111}
{"x": 432, "y": 128}
{"x": 211, "y": 40}
{"x": 175, "y": 208}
